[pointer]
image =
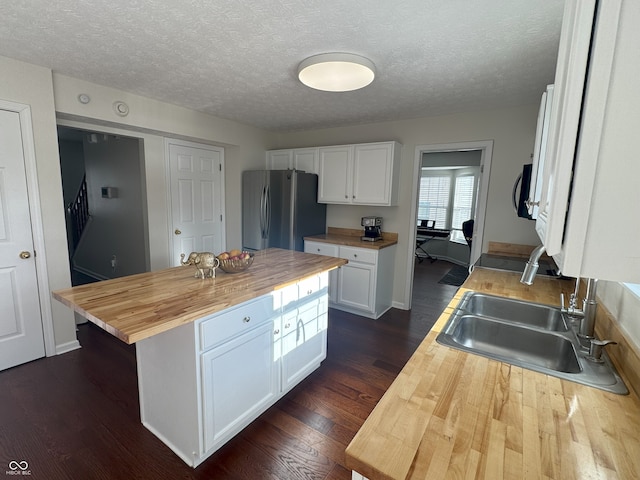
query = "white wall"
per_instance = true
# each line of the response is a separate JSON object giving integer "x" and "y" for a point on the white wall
{"x": 152, "y": 121}
{"x": 624, "y": 305}
{"x": 117, "y": 226}
{"x": 512, "y": 131}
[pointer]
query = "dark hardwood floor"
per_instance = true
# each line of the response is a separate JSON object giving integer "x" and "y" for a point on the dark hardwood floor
{"x": 75, "y": 416}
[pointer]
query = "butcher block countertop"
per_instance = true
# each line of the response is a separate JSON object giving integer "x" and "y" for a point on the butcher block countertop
{"x": 451, "y": 414}
{"x": 139, "y": 306}
{"x": 351, "y": 238}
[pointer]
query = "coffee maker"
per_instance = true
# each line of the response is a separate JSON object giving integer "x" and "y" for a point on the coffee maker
{"x": 372, "y": 228}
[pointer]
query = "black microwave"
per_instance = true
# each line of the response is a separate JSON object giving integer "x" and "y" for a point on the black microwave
{"x": 520, "y": 200}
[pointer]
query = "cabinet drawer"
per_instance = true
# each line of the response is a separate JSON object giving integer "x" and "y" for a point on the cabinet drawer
{"x": 362, "y": 255}
{"x": 321, "y": 248}
{"x": 245, "y": 317}
{"x": 308, "y": 287}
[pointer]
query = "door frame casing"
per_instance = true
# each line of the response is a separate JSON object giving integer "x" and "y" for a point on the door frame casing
{"x": 486, "y": 149}
{"x": 204, "y": 146}
{"x": 37, "y": 229}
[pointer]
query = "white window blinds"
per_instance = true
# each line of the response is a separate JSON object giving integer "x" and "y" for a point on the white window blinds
{"x": 462, "y": 205}
{"x": 447, "y": 197}
{"x": 433, "y": 203}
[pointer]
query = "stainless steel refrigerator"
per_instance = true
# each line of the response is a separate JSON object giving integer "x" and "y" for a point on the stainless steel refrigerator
{"x": 279, "y": 208}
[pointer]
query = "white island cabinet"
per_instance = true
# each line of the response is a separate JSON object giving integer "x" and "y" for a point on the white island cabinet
{"x": 214, "y": 353}
{"x": 587, "y": 217}
{"x": 203, "y": 382}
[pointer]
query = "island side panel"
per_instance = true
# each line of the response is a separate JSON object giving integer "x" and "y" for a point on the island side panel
{"x": 169, "y": 389}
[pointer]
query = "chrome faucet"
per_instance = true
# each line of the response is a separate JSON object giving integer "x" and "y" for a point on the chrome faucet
{"x": 586, "y": 329}
{"x": 531, "y": 268}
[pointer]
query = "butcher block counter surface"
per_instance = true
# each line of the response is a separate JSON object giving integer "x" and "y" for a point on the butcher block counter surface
{"x": 139, "y": 306}
{"x": 451, "y": 414}
{"x": 351, "y": 238}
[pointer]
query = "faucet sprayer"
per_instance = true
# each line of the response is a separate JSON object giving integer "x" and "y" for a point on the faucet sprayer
{"x": 531, "y": 268}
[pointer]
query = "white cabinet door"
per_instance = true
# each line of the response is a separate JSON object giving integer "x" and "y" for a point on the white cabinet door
{"x": 306, "y": 159}
{"x": 373, "y": 173}
{"x": 540, "y": 152}
{"x": 335, "y": 173}
{"x": 304, "y": 343}
{"x": 357, "y": 286}
{"x": 239, "y": 381}
{"x": 279, "y": 159}
{"x": 571, "y": 71}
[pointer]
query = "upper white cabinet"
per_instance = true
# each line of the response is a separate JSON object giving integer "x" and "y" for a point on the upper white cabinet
{"x": 305, "y": 159}
{"x": 362, "y": 174}
{"x": 335, "y": 174}
{"x": 587, "y": 218}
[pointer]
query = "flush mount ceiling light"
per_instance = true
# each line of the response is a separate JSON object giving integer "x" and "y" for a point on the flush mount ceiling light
{"x": 336, "y": 72}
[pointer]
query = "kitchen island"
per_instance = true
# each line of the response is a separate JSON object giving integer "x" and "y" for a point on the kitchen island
{"x": 452, "y": 414}
{"x": 213, "y": 354}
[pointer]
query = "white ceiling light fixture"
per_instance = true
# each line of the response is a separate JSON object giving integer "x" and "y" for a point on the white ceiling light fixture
{"x": 336, "y": 72}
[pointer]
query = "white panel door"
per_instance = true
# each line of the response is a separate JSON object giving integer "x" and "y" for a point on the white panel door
{"x": 196, "y": 199}
{"x": 21, "y": 336}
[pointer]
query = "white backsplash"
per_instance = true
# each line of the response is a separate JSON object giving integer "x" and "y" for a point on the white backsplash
{"x": 624, "y": 305}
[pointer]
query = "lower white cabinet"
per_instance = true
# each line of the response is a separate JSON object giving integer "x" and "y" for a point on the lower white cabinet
{"x": 239, "y": 380}
{"x": 357, "y": 286}
{"x": 203, "y": 382}
{"x": 363, "y": 286}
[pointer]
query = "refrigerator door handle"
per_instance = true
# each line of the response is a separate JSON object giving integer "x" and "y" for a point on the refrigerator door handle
{"x": 263, "y": 199}
{"x": 267, "y": 211}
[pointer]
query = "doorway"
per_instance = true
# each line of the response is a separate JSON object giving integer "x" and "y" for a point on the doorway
{"x": 103, "y": 185}
{"x": 485, "y": 149}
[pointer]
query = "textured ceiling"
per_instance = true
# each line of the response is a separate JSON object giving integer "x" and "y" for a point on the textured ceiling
{"x": 238, "y": 59}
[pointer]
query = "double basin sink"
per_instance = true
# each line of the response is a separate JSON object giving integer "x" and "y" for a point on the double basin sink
{"x": 529, "y": 335}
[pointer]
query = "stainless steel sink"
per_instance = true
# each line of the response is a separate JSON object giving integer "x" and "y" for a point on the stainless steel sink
{"x": 510, "y": 341}
{"x": 527, "y": 335}
{"x": 532, "y": 314}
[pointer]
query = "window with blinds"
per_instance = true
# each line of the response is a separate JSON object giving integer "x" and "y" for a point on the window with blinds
{"x": 448, "y": 197}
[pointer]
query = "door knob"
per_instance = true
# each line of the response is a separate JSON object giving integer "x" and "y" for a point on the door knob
{"x": 25, "y": 255}
{"x": 177, "y": 232}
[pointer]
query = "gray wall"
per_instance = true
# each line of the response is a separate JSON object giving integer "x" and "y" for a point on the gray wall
{"x": 117, "y": 226}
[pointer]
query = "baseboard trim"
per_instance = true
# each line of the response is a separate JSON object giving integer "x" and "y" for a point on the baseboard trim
{"x": 67, "y": 347}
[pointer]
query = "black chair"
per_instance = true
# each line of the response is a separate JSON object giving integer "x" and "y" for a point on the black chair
{"x": 467, "y": 231}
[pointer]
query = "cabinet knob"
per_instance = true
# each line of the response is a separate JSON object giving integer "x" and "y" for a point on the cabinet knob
{"x": 355, "y": 255}
{"x": 277, "y": 331}
{"x": 309, "y": 292}
{"x": 246, "y": 319}
{"x": 287, "y": 325}
{"x": 346, "y": 196}
{"x": 353, "y": 196}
